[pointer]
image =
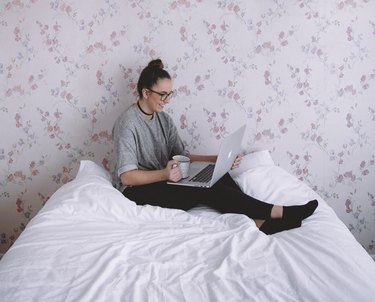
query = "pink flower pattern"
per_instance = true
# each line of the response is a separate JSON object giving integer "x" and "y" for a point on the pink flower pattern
{"x": 300, "y": 74}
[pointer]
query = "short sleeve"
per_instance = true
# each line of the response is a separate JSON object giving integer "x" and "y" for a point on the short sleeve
{"x": 125, "y": 148}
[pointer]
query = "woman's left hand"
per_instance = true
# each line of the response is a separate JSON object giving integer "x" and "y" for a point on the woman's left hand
{"x": 236, "y": 162}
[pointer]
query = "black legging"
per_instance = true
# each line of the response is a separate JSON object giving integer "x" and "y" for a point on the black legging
{"x": 225, "y": 196}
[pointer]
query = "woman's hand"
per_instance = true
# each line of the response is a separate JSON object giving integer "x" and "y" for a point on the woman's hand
{"x": 236, "y": 162}
{"x": 173, "y": 171}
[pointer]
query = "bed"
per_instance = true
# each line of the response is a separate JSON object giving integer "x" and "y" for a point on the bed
{"x": 90, "y": 243}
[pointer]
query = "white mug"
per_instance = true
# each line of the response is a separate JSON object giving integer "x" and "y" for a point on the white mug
{"x": 184, "y": 163}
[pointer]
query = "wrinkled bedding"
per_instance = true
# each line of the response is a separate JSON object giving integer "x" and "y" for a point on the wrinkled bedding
{"x": 90, "y": 243}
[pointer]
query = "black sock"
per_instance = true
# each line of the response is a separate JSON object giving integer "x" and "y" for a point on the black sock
{"x": 299, "y": 213}
{"x": 272, "y": 226}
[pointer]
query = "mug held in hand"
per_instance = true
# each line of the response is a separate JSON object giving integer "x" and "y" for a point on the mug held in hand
{"x": 184, "y": 163}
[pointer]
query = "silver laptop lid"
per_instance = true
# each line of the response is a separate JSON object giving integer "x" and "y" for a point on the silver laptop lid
{"x": 229, "y": 149}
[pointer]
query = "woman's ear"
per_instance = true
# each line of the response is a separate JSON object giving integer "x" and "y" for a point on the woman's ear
{"x": 145, "y": 93}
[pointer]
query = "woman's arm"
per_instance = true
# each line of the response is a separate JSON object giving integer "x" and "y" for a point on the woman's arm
{"x": 141, "y": 177}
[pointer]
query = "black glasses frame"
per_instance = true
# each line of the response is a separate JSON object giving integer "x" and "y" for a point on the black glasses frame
{"x": 163, "y": 96}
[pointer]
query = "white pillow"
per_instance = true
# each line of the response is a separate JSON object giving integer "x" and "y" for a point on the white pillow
{"x": 90, "y": 195}
{"x": 253, "y": 160}
{"x": 88, "y": 168}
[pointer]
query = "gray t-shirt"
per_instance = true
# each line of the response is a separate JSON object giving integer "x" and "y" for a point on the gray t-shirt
{"x": 142, "y": 144}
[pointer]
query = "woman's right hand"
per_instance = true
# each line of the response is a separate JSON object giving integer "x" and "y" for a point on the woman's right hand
{"x": 173, "y": 171}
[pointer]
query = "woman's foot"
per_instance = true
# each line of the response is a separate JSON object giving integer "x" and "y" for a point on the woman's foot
{"x": 273, "y": 226}
{"x": 286, "y": 217}
{"x": 299, "y": 213}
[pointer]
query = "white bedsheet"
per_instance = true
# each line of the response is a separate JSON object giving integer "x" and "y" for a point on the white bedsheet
{"x": 90, "y": 243}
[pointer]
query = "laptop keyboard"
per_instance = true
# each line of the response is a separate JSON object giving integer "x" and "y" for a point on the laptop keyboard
{"x": 205, "y": 175}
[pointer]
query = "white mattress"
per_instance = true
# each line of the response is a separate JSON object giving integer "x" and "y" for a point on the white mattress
{"x": 90, "y": 243}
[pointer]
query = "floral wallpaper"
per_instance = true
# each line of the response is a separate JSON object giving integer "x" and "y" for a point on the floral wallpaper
{"x": 300, "y": 74}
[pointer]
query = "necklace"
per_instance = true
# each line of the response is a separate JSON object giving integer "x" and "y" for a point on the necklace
{"x": 145, "y": 113}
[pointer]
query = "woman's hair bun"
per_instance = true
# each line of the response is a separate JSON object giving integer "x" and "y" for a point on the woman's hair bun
{"x": 156, "y": 63}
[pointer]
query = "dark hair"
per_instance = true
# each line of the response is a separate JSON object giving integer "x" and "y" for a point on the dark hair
{"x": 151, "y": 74}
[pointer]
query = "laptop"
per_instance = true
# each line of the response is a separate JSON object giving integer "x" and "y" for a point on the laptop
{"x": 206, "y": 174}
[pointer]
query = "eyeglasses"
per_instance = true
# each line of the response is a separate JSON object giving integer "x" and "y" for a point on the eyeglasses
{"x": 163, "y": 95}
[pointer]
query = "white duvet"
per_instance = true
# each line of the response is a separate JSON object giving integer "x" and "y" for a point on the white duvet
{"x": 90, "y": 243}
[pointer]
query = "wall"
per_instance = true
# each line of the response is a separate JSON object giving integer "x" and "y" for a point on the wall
{"x": 299, "y": 73}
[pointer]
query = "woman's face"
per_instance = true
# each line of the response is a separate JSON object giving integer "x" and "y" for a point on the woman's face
{"x": 159, "y": 95}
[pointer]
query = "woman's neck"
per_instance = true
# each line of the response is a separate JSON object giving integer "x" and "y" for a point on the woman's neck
{"x": 144, "y": 111}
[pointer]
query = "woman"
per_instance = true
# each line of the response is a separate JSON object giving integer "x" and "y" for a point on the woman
{"x": 146, "y": 139}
